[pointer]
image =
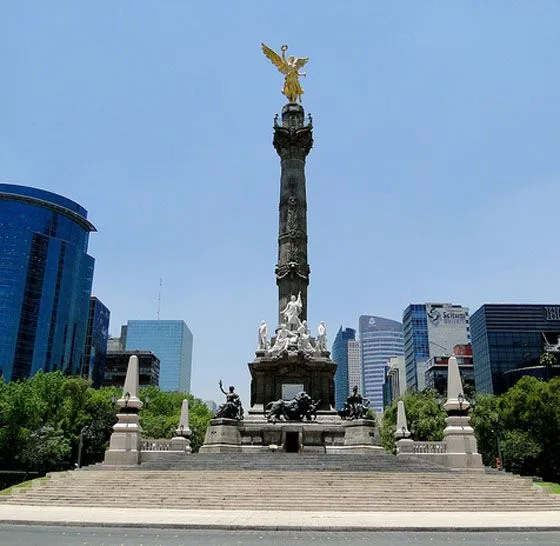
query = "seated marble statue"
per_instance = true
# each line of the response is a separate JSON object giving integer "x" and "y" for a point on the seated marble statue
{"x": 284, "y": 339}
{"x": 232, "y": 408}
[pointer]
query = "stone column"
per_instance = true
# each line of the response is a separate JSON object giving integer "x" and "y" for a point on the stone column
{"x": 404, "y": 444}
{"x": 458, "y": 435}
{"x": 293, "y": 141}
{"x": 125, "y": 442}
{"x": 181, "y": 441}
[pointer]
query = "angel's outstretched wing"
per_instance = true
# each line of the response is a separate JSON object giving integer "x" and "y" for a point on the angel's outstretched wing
{"x": 300, "y": 61}
{"x": 280, "y": 63}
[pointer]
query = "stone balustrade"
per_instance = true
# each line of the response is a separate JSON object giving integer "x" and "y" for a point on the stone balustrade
{"x": 156, "y": 445}
{"x": 429, "y": 448}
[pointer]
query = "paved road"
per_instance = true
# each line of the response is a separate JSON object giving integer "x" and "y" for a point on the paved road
{"x": 15, "y": 535}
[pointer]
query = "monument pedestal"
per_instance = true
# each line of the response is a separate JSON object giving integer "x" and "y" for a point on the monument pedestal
{"x": 259, "y": 436}
{"x": 286, "y": 375}
{"x": 125, "y": 443}
{"x": 405, "y": 447}
{"x": 180, "y": 443}
{"x": 222, "y": 436}
{"x": 359, "y": 437}
{"x": 461, "y": 444}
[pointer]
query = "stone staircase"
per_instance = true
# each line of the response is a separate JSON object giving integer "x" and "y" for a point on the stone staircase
{"x": 279, "y": 481}
{"x": 282, "y": 462}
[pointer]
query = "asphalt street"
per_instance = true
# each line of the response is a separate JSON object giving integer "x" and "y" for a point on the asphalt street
{"x": 18, "y": 535}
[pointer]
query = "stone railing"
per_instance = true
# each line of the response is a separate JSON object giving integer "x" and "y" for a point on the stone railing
{"x": 429, "y": 448}
{"x": 156, "y": 445}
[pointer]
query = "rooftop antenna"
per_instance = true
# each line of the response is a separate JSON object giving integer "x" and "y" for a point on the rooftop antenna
{"x": 159, "y": 297}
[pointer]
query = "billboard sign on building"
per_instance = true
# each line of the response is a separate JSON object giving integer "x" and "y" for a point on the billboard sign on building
{"x": 448, "y": 325}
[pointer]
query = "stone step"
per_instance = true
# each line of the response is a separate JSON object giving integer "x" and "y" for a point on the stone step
{"x": 281, "y": 485}
{"x": 350, "y": 505}
{"x": 261, "y": 502}
{"x": 284, "y": 490}
{"x": 290, "y": 461}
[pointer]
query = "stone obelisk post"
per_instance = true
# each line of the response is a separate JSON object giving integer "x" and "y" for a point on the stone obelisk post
{"x": 293, "y": 140}
{"x": 462, "y": 450}
{"x": 125, "y": 442}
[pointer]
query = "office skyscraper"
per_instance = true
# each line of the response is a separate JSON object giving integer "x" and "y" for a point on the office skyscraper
{"x": 346, "y": 353}
{"x": 45, "y": 280}
{"x": 508, "y": 340}
{"x": 431, "y": 329}
{"x": 97, "y": 335}
{"x": 380, "y": 339}
{"x": 171, "y": 341}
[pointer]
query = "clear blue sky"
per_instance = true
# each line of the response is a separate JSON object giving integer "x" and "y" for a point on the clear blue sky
{"x": 434, "y": 177}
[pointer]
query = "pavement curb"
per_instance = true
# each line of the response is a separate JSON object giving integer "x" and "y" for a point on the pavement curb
{"x": 287, "y": 527}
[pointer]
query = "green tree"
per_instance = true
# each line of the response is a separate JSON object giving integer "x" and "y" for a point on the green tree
{"x": 522, "y": 426}
{"x": 520, "y": 452}
{"x": 46, "y": 449}
{"x": 43, "y": 418}
{"x": 531, "y": 408}
{"x": 486, "y": 419}
{"x": 161, "y": 412}
{"x": 425, "y": 418}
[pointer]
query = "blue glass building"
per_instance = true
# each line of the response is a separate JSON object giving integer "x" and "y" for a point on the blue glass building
{"x": 380, "y": 339}
{"x": 508, "y": 340}
{"x": 171, "y": 341}
{"x": 45, "y": 282}
{"x": 97, "y": 335}
{"x": 430, "y": 330}
{"x": 339, "y": 354}
{"x": 416, "y": 347}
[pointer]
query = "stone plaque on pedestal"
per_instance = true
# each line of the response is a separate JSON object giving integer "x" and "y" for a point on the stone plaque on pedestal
{"x": 222, "y": 436}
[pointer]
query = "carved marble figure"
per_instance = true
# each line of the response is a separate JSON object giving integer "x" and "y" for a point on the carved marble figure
{"x": 304, "y": 339}
{"x": 292, "y": 311}
{"x": 322, "y": 337}
{"x": 263, "y": 337}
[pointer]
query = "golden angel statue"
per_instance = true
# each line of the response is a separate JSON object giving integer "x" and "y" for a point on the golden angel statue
{"x": 290, "y": 68}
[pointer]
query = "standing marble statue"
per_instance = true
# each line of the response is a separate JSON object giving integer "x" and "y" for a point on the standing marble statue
{"x": 292, "y": 311}
{"x": 304, "y": 338}
{"x": 322, "y": 337}
{"x": 263, "y": 337}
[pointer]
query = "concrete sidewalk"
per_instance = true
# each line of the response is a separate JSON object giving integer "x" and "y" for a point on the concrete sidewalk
{"x": 279, "y": 520}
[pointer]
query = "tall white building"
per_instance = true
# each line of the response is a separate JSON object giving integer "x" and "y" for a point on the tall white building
{"x": 354, "y": 365}
{"x": 396, "y": 379}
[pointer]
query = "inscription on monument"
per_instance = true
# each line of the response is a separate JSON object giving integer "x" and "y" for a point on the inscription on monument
{"x": 289, "y": 390}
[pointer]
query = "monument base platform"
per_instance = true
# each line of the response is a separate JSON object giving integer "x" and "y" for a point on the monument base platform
{"x": 329, "y": 434}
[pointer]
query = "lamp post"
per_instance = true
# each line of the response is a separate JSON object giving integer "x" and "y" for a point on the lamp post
{"x": 496, "y": 433}
{"x": 83, "y": 432}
